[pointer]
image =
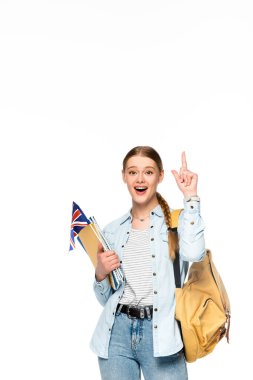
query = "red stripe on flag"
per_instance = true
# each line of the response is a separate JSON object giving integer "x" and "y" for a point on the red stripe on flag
{"x": 76, "y": 214}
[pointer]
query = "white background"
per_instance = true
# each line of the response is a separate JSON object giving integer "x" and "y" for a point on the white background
{"x": 81, "y": 83}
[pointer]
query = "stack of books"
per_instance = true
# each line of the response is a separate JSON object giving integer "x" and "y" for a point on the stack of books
{"x": 89, "y": 235}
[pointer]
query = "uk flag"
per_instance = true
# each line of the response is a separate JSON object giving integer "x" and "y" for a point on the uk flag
{"x": 79, "y": 221}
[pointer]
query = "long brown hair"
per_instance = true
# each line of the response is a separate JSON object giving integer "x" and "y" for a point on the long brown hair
{"x": 148, "y": 151}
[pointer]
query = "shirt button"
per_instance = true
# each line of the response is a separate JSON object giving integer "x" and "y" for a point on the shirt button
{"x": 155, "y": 326}
{"x": 153, "y": 255}
{"x": 192, "y": 223}
{"x": 152, "y": 212}
{"x": 120, "y": 261}
{"x": 192, "y": 206}
{"x": 110, "y": 329}
{"x": 122, "y": 246}
{"x": 152, "y": 239}
{"x": 113, "y": 313}
{"x": 151, "y": 226}
{"x": 155, "y": 291}
{"x": 127, "y": 232}
{"x": 154, "y": 274}
{"x": 155, "y": 309}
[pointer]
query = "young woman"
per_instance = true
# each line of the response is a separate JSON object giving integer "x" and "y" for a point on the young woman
{"x": 137, "y": 329}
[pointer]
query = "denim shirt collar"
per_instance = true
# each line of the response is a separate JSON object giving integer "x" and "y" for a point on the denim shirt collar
{"x": 156, "y": 211}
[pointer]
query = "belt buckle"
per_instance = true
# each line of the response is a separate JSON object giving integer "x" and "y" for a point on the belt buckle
{"x": 147, "y": 308}
{"x": 128, "y": 312}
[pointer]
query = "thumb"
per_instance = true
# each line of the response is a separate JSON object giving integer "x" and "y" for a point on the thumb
{"x": 176, "y": 176}
{"x": 100, "y": 248}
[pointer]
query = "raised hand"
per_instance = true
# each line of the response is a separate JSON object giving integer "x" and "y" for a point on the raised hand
{"x": 185, "y": 179}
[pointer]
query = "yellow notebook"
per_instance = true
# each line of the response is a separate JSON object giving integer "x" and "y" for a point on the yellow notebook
{"x": 90, "y": 241}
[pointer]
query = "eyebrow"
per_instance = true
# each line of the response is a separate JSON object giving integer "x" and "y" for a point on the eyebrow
{"x": 146, "y": 167}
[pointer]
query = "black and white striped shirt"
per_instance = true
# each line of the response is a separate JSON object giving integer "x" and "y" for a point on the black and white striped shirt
{"x": 137, "y": 266}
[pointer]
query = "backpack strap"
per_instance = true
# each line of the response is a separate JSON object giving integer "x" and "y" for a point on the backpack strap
{"x": 174, "y": 218}
{"x": 176, "y": 267}
{"x": 176, "y": 264}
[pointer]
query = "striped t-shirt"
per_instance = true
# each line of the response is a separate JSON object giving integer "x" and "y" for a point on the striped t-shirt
{"x": 137, "y": 266}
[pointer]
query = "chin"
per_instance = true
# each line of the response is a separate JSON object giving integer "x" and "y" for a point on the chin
{"x": 141, "y": 200}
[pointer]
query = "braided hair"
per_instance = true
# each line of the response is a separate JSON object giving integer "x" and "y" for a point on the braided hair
{"x": 172, "y": 235}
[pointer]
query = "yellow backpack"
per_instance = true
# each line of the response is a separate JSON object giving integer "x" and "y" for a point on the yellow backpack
{"x": 202, "y": 305}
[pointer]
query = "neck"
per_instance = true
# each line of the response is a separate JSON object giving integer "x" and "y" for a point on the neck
{"x": 142, "y": 210}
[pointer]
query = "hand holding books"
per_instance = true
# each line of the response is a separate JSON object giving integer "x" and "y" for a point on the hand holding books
{"x": 92, "y": 240}
{"x": 107, "y": 261}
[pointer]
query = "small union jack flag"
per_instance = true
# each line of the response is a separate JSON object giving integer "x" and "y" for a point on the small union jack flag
{"x": 79, "y": 221}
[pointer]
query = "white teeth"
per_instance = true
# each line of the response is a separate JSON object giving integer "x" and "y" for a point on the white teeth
{"x": 141, "y": 188}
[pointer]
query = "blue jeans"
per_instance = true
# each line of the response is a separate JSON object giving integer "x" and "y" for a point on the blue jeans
{"x": 131, "y": 350}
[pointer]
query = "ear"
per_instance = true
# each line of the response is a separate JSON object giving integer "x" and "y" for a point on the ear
{"x": 123, "y": 176}
{"x": 161, "y": 176}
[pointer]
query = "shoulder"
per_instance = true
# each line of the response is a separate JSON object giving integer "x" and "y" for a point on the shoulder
{"x": 113, "y": 226}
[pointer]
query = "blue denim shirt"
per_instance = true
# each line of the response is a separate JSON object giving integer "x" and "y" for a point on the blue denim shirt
{"x": 166, "y": 334}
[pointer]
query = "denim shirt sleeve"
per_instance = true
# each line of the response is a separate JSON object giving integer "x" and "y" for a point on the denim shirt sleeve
{"x": 191, "y": 232}
{"x": 103, "y": 289}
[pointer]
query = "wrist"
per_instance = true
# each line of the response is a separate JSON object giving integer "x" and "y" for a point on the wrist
{"x": 190, "y": 194}
{"x": 188, "y": 198}
{"x": 99, "y": 279}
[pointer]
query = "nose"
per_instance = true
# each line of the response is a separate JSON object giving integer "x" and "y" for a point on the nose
{"x": 140, "y": 178}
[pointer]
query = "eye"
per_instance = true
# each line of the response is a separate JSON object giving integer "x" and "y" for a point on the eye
{"x": 131, "y": 172}
{"x": 149, "y": 172}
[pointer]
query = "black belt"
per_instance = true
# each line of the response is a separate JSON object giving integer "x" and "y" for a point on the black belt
{"x": 136, "y": 311}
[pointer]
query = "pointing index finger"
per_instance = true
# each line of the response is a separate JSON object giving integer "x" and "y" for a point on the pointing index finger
{"x": 184, "y": 163}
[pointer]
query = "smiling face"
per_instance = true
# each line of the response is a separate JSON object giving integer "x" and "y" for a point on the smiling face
{"x": 142, "y": 177}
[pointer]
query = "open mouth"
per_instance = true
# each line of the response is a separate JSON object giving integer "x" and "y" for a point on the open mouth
{"x": 140, "y": 189}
